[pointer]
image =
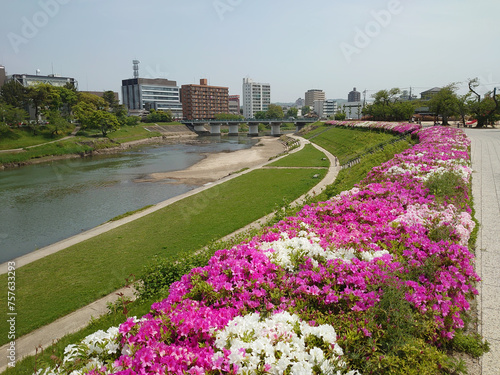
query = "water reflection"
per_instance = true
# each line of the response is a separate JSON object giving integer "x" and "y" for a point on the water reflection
{"x": 45, "y": 203}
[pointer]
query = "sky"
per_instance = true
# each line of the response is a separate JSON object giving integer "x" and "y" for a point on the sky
{"x": 332, "y": 45}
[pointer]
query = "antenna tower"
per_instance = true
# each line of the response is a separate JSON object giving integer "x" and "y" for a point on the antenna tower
{"x": 136, "y": 68}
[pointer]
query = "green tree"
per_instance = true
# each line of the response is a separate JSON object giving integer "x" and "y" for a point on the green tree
{"x": 14, "y": 94}
{"x": 42, "y": 98}
{"x": 260, "y": 115}
{"x": 484, "y": 110}
{"x": 274, "y": 112}
{"x": 228, "y": 116}
{"x": 110, "y": 98}
{"x": 444, "y": 103}
{"x": 159, "y": 116}
{"x": 292, "y": 112}
{"x": 57, "y": 123}
{"x": 103, "y": 121}
{"x": 305, "y": 110}
{"x": 12, "y": 115}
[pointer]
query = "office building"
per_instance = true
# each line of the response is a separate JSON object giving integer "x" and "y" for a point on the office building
{"x": 234, "y": 104}
{"x": 28, "y": 80}
{"x": 354, "y": 96}
{"x": 325, "y": 108}
{"x": 314, "y": 95}
{"x": 156, "y": 93}
{"x": 203, "y": 101}
{"x": 256, "y": 97}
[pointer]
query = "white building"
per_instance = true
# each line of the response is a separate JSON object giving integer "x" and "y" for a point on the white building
{"x": 256, "y": 97}
{"x": 158, "y": 93}
{"x": 325, "y": 108}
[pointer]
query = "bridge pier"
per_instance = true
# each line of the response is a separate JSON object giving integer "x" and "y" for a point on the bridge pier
{"x": 299, "y": 126}
{"x": 199, "y": 128}
{"x": 214, "y": 129}
{"x": 275, "y": 129}
{"x": 253, "y": 130}
{"x": 233, "y": 128}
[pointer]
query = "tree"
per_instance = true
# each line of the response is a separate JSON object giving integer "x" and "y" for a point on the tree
{"x": 104, "y": 121}
{"x": 14, "y": 94}
{"x": 274, "y": 112}
{"x": 159, "y": 116}
{"x": 260, "y": 115}
{"x": 305, "y": 110}
{"x": 444, "y": 103}
{"x": 41, "y": 97}
{"x": 12, "y": 115}
{"x": 109, "y": 97}
{"x": 228, "y": 116}
{"x": 486, "y": 110}
{"x": 292, "y": 112}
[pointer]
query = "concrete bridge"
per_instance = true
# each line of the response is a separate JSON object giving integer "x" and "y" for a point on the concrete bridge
{"x": 253, "y": 125}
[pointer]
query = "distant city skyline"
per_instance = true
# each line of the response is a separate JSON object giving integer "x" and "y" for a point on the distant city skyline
{"x": 329, "y": 45}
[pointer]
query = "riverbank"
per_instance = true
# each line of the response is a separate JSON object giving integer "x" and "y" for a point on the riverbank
{"x": 219, "y": 165}
{"x": 176, "y": 138}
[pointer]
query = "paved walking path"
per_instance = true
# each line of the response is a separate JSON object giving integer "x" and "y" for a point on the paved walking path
{"x": 485, "y": 150}
{"x": 47, "y": 335}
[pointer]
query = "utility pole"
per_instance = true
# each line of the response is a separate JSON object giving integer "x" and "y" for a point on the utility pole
{"x": 364, "y": 98}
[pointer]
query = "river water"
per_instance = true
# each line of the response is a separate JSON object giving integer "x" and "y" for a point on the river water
{"x": 45, "y": 203}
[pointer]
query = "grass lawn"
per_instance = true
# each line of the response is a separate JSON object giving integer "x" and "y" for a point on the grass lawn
{"x": 20, "y": 138}
{"x": 347, "y": 143}
{"x": 61, "y": 283}
{"x": 308, "y": 157}
{"x": 132, "y": 133}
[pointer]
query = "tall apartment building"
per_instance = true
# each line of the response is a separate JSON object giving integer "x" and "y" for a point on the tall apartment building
{"x": 313, "y": 95}
{"x": 256, "y": 97}
{"x": 3, "y": 76}
{"x": 203, "y": 101}
{"x": 354, "y": 96}
{"x": 234, "y": 104}
{"x": 156, "y": 93}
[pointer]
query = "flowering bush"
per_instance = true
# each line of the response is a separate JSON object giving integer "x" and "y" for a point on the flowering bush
{"x": 376, "y": 278}
{"x": 395, "y": 127}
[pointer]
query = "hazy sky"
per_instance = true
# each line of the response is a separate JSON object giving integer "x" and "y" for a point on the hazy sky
{"x": 294, "y": 45}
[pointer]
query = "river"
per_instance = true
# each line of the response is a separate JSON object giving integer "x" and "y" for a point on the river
{"x": 45, "y": 203}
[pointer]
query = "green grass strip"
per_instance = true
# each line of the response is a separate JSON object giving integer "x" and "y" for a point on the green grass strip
{"x": 348, "y": 143}
{"x": 63, "y": 282}
{"x": 307, "y": 157}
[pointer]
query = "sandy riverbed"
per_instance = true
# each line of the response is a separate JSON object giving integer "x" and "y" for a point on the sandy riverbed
{"x": 219, "y": 165}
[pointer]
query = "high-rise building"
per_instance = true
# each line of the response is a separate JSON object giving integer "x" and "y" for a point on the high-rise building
{"x": 354, "y": 96}
{"x": 313, "y": 95}
{"x": 256, "y": 97}
{"x": 203, "y": 101}
{"x": 3, "y": 76}
{"x": 157, "y": 93}
{"x": 234, "y": 104}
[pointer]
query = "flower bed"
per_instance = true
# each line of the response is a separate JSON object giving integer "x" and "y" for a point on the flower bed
{"x": 376, "y": 278}
{"x": 395, "y": 127}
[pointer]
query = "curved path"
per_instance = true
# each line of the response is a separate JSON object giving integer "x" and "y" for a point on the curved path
{"x": 485, "y": 150}
{"x": 47, "y": 335}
